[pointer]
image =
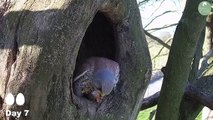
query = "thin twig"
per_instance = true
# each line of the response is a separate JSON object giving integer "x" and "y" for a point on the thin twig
{"x": 161, "y": 49}
{"x": 157, "y": 8}
{"x": 157, "y": 39}
{"x": 164, "y": 27}
{"x": 169, "y": 11}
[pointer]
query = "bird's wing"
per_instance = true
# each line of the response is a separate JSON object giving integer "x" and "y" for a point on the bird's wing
{"x": 80, "y": 75}
{"x": 85, "y": 70}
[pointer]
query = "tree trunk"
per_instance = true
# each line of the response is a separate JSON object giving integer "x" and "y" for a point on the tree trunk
{"x": 42, "y": 42}
{"x": 190, "y": 108}
{"x": 208, "y": 35}
{"x": 179, "y": 62}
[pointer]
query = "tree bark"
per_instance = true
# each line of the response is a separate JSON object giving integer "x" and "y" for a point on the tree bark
{"x": 189, "y": 109}
{"x": 179, "y": 62}
{"x": 39, "y": 45}
{"x": 208, "y": 35}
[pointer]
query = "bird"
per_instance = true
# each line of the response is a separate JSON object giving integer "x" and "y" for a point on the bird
{"x": 96, "y": 78}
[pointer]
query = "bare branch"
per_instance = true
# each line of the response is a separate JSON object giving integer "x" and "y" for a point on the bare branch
{"x": 157, "y": 39}
{"x": 157, "y": 8}
{"x": 145, "y": 1}
{"x": 164, "y": 27}
{"x": 203, "y": 98}
{"x": 191, "y": 92}
{"x": 150, "y": 101}
{"x": 4, "y": 6}
{"x": 204, "y": 63}
{"x": 209, "y": 32}
{"x": 208, "y": 50}
{"x": 142, "y": 2}
{"x": 169, "y": 11}
{"x": 197, "y": 56}
{"x": 161, "y": 49}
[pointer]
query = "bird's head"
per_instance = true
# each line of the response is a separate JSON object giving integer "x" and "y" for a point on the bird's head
{"x": 105, "y": 80}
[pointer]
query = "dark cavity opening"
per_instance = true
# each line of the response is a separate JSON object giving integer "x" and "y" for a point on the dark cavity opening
{"x": 99, "y": 40}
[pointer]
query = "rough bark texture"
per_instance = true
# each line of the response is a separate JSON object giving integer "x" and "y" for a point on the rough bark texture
{"x": 208, "y": 35}
{"x": 39, "y": 46}
{"x": 179, "y": 62}
{"x": 189, "y": 109}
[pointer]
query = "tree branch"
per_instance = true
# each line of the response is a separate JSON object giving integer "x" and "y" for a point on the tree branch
{"x": 150, "y": 101}
{"x": 142, "y": 2}
{"x": 157, "y": 39}
{"x": 204, "y": 63}
{"x": 203, "y": 98}
{"x": 159, "y": 52}
{"x": 191, "y": 92}
{"x": 169, "y": 11}
{"x": 164, "y": 27}
{"x": 197, "y": 56}
{"x": 179, "y": 61}
{"x": 157, "y": 8}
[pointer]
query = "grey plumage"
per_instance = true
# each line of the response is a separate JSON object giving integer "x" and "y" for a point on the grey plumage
{"x": 96, "y": 74}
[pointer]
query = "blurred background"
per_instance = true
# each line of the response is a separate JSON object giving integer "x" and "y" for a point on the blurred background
{"x": 159, "y": 19}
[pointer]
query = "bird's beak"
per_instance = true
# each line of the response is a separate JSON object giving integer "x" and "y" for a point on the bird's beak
{"x": 102, "y": 94}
